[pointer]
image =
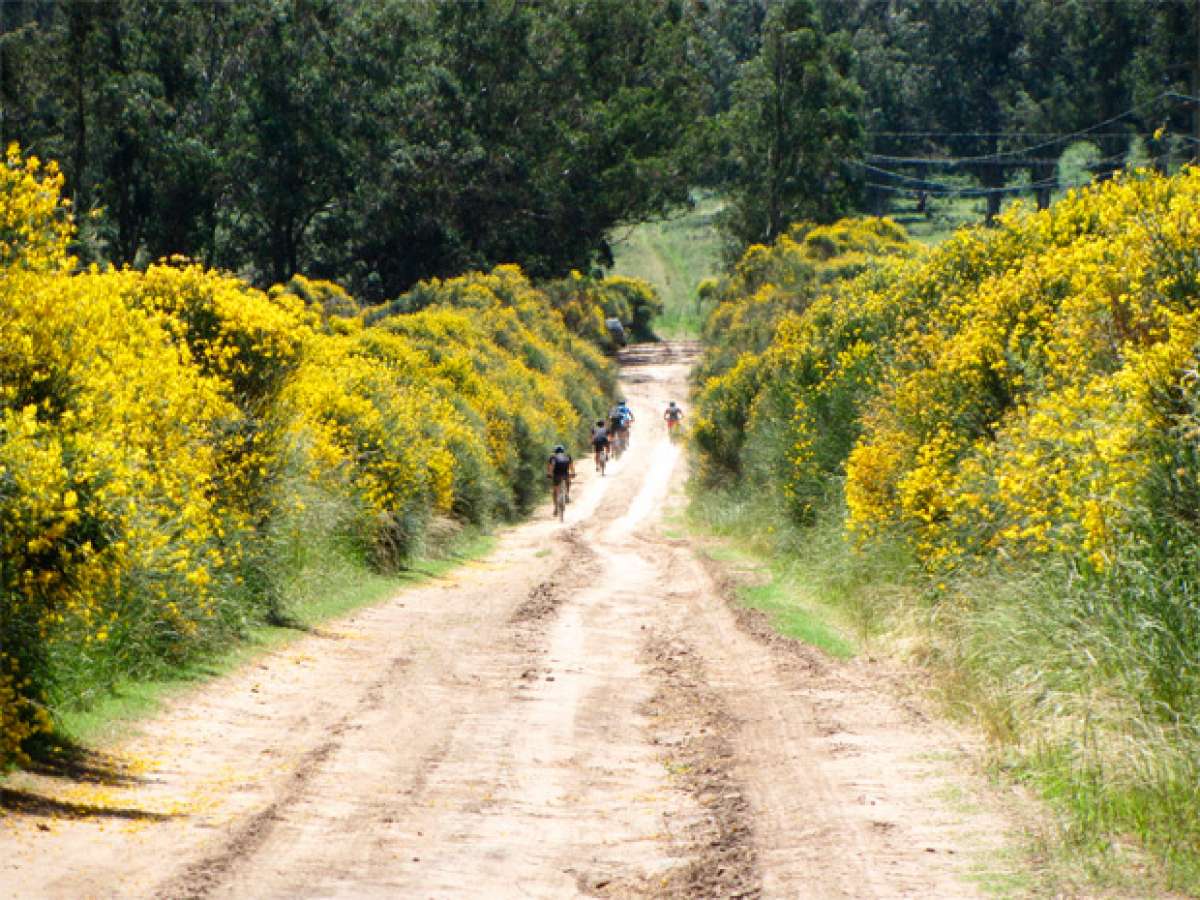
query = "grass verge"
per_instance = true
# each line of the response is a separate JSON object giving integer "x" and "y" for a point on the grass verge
{"x": 800, "y": 585}
{"x": 334, "y": 583}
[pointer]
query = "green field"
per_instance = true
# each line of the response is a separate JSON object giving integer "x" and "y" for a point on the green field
{"x": 674, "y": 255}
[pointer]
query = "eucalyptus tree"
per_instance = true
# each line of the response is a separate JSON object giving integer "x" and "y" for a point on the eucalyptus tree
{"x": 794, "y": 128}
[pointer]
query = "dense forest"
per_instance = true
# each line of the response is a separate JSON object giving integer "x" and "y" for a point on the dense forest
{"x": 379, "y": 143}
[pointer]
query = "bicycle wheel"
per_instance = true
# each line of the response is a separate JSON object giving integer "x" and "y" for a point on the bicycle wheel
{"x": 560, "y": 502}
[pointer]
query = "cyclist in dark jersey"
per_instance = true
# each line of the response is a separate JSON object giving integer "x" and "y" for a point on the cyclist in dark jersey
{"x": 560, "y": 467}
{"x": 600, "y": 444}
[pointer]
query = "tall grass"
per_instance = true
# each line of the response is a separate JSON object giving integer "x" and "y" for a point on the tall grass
{"x": 815, "y": 584}
{"x": 1087, "y": 688}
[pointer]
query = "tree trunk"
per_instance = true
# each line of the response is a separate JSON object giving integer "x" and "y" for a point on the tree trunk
{"x": 78, "y": 39}
{"x": 992, "y": 178}
{"x": 5, "y": 77}
{"x": 1044, "y": 177}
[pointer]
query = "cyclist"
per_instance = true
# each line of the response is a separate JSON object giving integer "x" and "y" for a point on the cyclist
{"x": 560, "y": 467}
{"x": 616, "y": 427}
{"x": 625, "y": 413}
{"x": 622, "y": 418}
{"x": 672, "y": 417}
{"x": 600, "y": 444}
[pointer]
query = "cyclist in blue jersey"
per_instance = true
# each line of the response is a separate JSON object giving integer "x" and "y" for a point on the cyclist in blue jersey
{"x": 621, "y": 418}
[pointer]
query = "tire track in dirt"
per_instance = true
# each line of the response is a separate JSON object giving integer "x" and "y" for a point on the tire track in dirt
{"x": 539, "y": 740}
{"x": 695, "y": 729}
{"x": 544, "y": 598}
{"x": 849, "y": 781}
{"x": 204, "y": 875}
{"x": 530, "y": 619}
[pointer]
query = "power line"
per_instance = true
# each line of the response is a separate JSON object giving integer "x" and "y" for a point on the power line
{"x": 943, "y": 189}
{"x": 954, "y": 162}
{"x": 1025, "y": 134}
{"x": 1091, "y": 130}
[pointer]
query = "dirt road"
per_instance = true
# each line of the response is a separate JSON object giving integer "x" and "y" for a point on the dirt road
{"x": 580, "y": 714}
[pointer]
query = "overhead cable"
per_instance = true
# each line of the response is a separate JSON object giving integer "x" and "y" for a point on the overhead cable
{"x": 1091, "y": 130}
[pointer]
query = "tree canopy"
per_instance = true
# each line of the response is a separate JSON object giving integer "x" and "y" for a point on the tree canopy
{"x": 381, "y": 142}
{"x": 376, "y": 142}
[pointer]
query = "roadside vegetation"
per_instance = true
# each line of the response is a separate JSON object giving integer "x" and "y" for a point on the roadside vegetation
{"x": 992, "y": 442}
{"x": 185, "y": 458}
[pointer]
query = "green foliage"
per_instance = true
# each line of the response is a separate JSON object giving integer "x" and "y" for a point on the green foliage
{"x": 1002, "y": 85}
{"x": 376, "y": 143}
{"x": 793, "y": 128}
{"x": 585, "y": 303}
{"x": 383, "y": 143}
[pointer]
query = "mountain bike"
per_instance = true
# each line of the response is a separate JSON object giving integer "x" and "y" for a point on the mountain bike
{"x": 601, "y": 459}
{"x": 620, "y": 442}
{"x": 562, "y": 496}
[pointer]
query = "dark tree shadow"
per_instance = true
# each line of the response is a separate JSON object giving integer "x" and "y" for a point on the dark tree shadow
{"x": 17, "y": 802}
{"x": 52, "y": 756}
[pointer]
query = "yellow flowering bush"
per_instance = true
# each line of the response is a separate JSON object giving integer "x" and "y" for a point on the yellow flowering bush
{"x": 325, "y": 297}
{"x": 161, "y": 432}
{"x": 769, "y": 282}
{"x": 585, "y": 303}
{"x": 803, "y": 314}
{"x": 108, "y": 465}
{"x": 1025, "y": 410}
{"x": 1007, "y": 393}
{"x": 1018, "y": 410}
{"x": 35, "y": 224}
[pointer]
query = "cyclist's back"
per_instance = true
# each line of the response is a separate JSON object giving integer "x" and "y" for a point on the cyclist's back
{"x": 558, "y": 466}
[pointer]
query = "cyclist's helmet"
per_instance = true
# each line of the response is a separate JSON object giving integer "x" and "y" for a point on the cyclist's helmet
{"x": 559, "y": 448}
{"x": 599, "y": 423}
{"x": 672, "y": 403}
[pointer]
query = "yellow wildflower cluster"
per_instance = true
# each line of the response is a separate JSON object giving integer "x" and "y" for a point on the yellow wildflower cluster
{"x": 21, "y": 717}
{"x": 35, "y": 227}
{"x": 786, "y": 353}
{"x": 786, "y": 277}
{"x": 1035, "y": 392}
{"x": 154, "y": 425}
{"x": 1019, "y": 389}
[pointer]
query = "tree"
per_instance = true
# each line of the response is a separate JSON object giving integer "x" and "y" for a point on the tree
{"x": 794, "y": 128}
{"x": 515, "y": 133}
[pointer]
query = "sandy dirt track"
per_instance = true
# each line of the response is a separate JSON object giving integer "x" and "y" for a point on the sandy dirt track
{"x": 583, "y": 713}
